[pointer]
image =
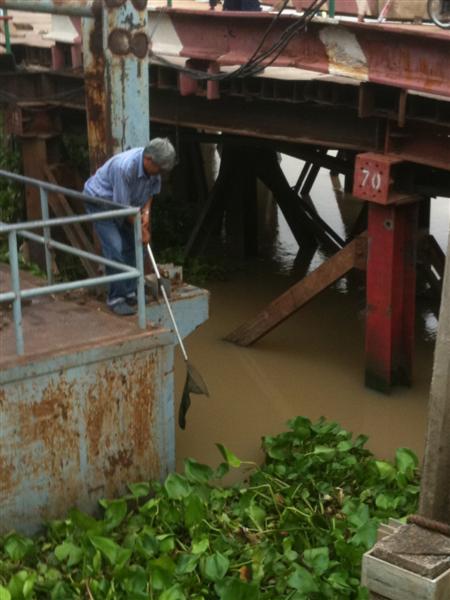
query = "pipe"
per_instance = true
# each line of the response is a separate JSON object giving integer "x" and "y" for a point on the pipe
{"x": 80, "y": 8}
{"x": 51, "y": 187}
{"x": 6, "y": 31}
{"x": 15, "y": 281}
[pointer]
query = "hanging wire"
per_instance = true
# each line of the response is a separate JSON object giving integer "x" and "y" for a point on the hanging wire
{"x": 260, "y": 59}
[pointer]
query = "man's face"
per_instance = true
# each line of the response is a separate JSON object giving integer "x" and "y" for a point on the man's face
{"x": 150, "y": 167}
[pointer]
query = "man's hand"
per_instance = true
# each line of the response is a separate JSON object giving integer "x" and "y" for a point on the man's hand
{"x": 145, "y": 236}
{"x": 145, "y": 222}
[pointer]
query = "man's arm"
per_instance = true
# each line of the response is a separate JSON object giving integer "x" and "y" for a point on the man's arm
{"x": 146, "y": 221}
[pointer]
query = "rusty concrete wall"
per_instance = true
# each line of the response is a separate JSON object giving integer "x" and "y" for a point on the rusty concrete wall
{"x": 77, "y": 428}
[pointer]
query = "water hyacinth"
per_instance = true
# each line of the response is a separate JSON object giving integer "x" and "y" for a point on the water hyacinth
{"x": 296, "y": 528}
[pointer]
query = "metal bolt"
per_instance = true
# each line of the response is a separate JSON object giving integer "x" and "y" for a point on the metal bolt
{"x": 139, "y": 45}
{"x": 139, "y": 4}
{"x": 119, "y": 41}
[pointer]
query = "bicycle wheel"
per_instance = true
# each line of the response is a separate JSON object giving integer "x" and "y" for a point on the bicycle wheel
{"x": 439, "y": 12}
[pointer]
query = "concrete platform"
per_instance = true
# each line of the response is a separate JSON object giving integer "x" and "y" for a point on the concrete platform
{"x": 89, "y": 408}
{"x": 52, "y": 324}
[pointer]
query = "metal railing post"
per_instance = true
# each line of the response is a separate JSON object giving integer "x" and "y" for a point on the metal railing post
{"x": 331, "y": 8}
{"x": 15, "y": 283}
{"x": 142, "y": 318}
{"x": 6, "y": 31}
{"x": 45, "y": 216}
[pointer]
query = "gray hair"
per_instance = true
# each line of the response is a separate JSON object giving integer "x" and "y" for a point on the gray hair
{"x": 162, "y": 153}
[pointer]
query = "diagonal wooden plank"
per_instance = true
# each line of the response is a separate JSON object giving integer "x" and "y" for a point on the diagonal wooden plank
{"x": 302, "y": 292}
{"x": 74, "y": 232}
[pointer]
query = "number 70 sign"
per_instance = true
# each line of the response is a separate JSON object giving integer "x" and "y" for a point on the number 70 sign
{"x": 373, "y": 177}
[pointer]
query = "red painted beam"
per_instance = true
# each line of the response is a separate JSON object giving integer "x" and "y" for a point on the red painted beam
{"x": 391, "y": 272}
{"x": 391, "y": 283}
{"x": 402, "y": 56}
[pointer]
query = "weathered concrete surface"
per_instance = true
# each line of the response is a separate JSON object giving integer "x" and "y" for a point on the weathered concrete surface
{"x": 89, "y": 407}
{"x": 416, "y": 549}
{"x": 435, "y": 486}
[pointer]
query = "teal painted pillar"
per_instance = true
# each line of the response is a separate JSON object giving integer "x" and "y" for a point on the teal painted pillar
{"x": 115, "y": 48}
{"x": 331, "y": 8}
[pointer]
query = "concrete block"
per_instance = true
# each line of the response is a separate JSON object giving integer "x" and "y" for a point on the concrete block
{"x": 411, "y": 563}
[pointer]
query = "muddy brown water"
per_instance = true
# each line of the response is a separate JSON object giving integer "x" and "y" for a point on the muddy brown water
{"x": 312, "y": 364}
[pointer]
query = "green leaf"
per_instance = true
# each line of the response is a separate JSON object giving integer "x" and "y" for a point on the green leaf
{"x": 116, "y": 555}
{"x": 339, "y": 581}
{"x": 386, "y": 502}
{"x": 68, "y": 550}
{"x": 16, "y": 583}
{"x": 139, "y": 490}
{"x": 4, "y": 593}
{"x": 173, "y": 593}
{"x": 147, "y": 545}
{"x": 234, "y": 589}
{"x": 230, "y": 458}
{"x": 200, "y": 546}
{"x": 385, "y": 470}
{"x": 17, "y": 547}
{"x": 324, "y": 451}
{"x": 302, "y": 580}
{"x": 257, "y": 514}
{"x": 161, "y": 571}
{"x": 344, "y": 446}
{"x": 177, "y": 486}
{"x": 317, "y": 559}
{"x": 406, "y": 462}
{"x": 215, "y": 566}
{"x": 28, "y": 586}
{"x": 194, "y": 510}
{"x": 186, "y": 563}
{"x": 115, "y": 512}
{"x": 166, "y": 542}
{"x": 84, "y": 521}
{"x": 366, "y": 535}
{"x": 197, "y": 472}
{"x": 357, "y": 516}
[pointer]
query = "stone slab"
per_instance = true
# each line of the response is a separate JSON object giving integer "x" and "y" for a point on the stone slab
{"x": 416, "y": 549}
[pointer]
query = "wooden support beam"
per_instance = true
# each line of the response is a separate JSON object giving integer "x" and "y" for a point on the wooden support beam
{"x": 352, "y": 256}
{"x": 74, "y": 232}
{"x": 304, "y": 228}
{"x": 34, "y": 156}
{"x": 213, "y": 208}
{"x": 435, "y": 482}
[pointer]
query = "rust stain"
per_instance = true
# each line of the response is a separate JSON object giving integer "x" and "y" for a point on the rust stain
{"x": 121, "y": 459}
{"x": 119, "y": 423}
{"x": 97, "y": 104}
{"x": 7, "y": 476}
{"x": 113, "y": 406}
{"x": 46, "y": 445}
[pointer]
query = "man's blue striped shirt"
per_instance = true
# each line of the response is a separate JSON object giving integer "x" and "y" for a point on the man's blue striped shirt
{"x": 122, "y": 179}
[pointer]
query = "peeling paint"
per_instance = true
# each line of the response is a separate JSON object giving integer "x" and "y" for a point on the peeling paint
{"x": 345, "y": 55}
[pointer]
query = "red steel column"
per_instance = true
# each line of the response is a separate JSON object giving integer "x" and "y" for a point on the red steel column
{"x": 391, "y": 274}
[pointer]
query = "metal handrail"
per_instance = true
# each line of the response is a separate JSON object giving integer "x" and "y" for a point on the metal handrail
{"x": 71, "y": 8}
{"x": 12, "y": 230}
